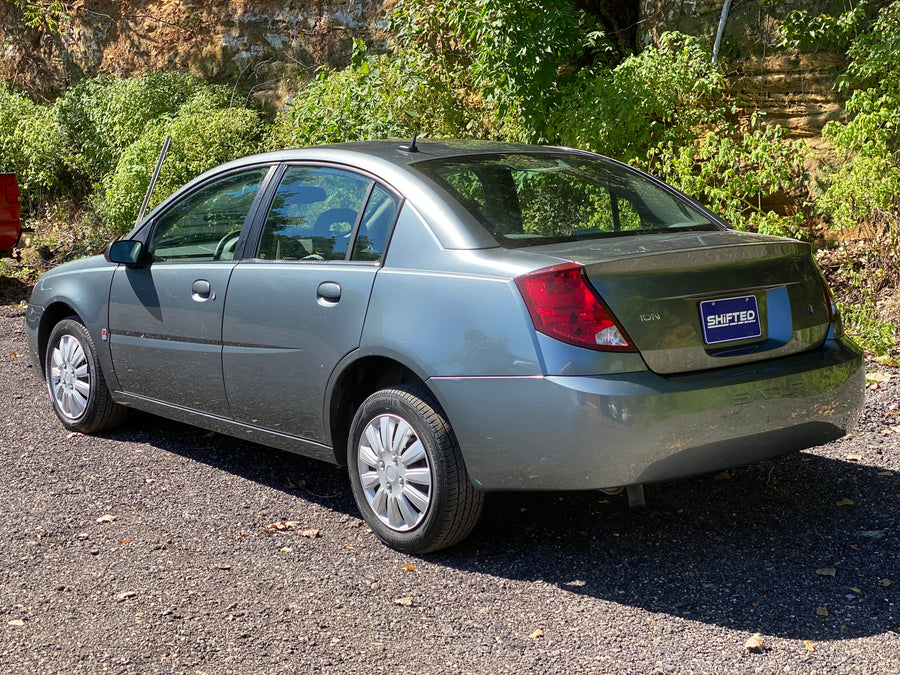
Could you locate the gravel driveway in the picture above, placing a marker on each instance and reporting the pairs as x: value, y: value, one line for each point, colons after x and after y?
x: 160, y: 548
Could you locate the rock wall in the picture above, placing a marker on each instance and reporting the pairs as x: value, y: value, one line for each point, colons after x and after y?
x: 260, y: 44
x: 796, y: 91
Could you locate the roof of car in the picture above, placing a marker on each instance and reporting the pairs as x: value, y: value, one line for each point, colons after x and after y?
x: 390, y: 161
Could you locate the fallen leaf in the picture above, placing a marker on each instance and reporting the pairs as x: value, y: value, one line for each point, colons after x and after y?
x: 821, y: 611
x: 809, y: 645
x: 125, y: 541
x: 350, y: 547
x: 884, y: 583
x: 121, y: 597
x: 722, y: 476
x: 879, y: 377
x: 887, y: 432
x: 854, y: 547
x: 755, y: 644
x: 16, y: 622
x: 286, y: 549
x: 404, y: 602
x: 827, y: 572
x: 845, y: 502
x: 537, y: 635
x: 853, y: 457
x: 855, y: 590
x: 309, y: 534
x: 409, y: 567
x: 223, y: 567
x: 106, y: 519
x: 292, y: 524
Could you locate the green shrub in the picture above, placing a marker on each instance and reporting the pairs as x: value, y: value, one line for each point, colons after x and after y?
x: 102, y: 116
x: 30, y: 146
x: 733, y: 171
x: 203, y: 137
x: 507, y: 52
x: 375, y: 97
x: 862, y: 198
x: 666, y: 110
x: 663, y: 95
x: 865, y: 182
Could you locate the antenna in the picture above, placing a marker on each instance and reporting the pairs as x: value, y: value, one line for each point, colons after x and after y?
x: 412, y: 147
x: 159, y: 162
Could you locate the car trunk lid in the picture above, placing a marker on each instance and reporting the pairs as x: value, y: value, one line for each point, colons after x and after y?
x: 697, y: 300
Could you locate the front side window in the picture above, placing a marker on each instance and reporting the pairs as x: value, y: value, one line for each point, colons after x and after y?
x: 313, y: 214
x: 206, y: 225
x: 533, y: 199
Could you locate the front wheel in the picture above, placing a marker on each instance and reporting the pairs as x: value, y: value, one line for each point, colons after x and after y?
x: 407, y: 472
x: 77, y: 387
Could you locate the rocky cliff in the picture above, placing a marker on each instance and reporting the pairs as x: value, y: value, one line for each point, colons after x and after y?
x: 263, y: 45
x: 267, y: 46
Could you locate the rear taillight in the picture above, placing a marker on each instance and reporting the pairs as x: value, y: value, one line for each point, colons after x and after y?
x: 564, y: 305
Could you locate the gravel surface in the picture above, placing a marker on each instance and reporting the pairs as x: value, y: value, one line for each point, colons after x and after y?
x: 160, y: 548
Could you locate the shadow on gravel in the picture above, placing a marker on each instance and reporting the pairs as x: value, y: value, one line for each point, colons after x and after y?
x: 752, y: 552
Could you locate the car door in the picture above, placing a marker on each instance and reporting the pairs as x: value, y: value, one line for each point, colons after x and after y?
x: 165, y: 317
x: 296, y: 305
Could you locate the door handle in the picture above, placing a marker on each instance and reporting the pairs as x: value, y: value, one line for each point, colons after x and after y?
x: 201, y: 291
x: 328, y: 293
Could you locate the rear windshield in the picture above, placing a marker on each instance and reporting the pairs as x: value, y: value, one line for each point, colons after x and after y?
x: 534, y: 199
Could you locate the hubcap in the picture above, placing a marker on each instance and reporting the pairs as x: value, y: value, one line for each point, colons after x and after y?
x: 395, y: 473
x: 70, y: 377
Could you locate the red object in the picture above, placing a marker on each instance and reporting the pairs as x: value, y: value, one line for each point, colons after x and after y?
x: 565, y: 306
x: 10, y: 211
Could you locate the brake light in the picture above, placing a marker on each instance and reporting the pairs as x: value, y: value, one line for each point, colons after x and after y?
x: 565, y: 306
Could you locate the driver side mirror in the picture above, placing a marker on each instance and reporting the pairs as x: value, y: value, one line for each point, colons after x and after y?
x: 127, y: 252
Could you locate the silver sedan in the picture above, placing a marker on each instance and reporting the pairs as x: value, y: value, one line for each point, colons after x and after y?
x: 452, y: 318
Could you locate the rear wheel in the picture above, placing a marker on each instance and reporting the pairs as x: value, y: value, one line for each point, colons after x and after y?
x: 76, y: 384
x: 407, y: 472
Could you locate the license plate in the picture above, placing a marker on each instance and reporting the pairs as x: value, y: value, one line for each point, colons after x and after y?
x: 730, y: 319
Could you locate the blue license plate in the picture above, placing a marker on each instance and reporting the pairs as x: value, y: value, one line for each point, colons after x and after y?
x: 730, y: 319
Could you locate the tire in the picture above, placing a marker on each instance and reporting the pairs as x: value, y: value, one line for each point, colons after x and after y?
x: 77, y: 388
x: 407, y: 472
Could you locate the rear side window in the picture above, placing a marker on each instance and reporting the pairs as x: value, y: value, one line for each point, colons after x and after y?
x: 375, y: 226
x: 313, y: 214
x: 533, y: 199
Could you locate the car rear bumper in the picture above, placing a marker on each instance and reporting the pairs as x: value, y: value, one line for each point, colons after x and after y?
x: 561, y: 433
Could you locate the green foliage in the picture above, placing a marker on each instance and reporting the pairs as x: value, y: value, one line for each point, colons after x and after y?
x: 733, y: 171
x: 807, y: 32
x: 508, y: 52
x: 100, y: 117
x: 29, y: 146
x: 666, y: 110
x: 375, y: 97
x: 661, y: 96
x: 203, y: 136
x: 42, y: 12
x: 864, y: 190
x: 99, y: 142
x: 862, y: 198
